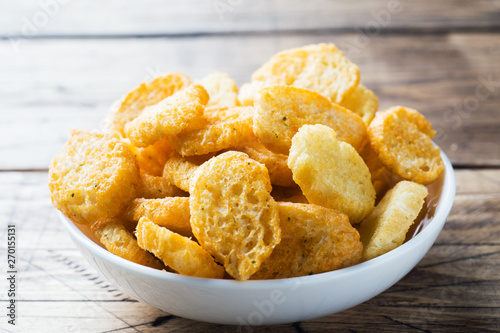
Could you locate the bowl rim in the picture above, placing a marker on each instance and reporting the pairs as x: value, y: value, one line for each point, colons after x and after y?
x: 441, y: 213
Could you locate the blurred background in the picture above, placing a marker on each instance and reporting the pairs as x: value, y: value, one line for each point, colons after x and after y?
x: 64, y: 62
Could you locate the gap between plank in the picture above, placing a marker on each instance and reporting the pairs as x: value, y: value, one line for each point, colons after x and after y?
x: 325, y: 31
x: 475, y: 167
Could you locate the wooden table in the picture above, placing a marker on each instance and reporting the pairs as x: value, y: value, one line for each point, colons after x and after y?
x: 63, y: 63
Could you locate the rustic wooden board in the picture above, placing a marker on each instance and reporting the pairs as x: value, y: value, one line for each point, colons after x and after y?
x: 435, y: 56
x: 455, y: 287
x: 113, y: 17
x: 55, y: 85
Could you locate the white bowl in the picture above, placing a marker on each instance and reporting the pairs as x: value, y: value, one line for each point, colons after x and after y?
x: 270, y: 301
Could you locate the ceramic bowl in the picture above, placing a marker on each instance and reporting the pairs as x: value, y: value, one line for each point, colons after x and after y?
x: 271, y: 301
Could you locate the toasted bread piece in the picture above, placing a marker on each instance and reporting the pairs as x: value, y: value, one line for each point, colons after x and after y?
x: 233, y: 215
x: 181, y: 112
x: 330, y: 172
x: 226, y: 127
x: 144, y: 95
x: 386, y: 226
x: 276, y: 164
x: 152, y: 158
x: 314, y: 240
x: 179, y: 171
x: 280, y: 111
x: 221, y: 88
x: 319, y: 67
x: 93, y: 178
x: 155, y: 187
x: 181, y: 254
x: 363, y: 102
x: 402, y: 139
x: 171, y: 213
x: 119, y: 241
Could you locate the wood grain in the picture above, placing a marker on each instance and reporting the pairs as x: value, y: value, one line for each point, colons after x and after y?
x: 114, y: 18
x: 63, y: 63
x: 455, y: 287
x: 72, y: 83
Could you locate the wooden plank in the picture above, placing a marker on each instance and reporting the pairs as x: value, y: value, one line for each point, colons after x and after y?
x: 98, y: 316
x: 137, y: 317
x: 25, y: 202
x: 65, y: 275
x: 412, y: 318
x: 475, y: 219
x: 67, y: 18
x: 477, y: 181
x: 456, y: 285
x: 465, y: 289
x: 72, y: 83
x: 425, y: 298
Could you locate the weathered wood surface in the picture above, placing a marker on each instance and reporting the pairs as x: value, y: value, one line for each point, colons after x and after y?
x: 455, y: 288
x: 62, y: 66
x: 50, y: 86
x: 32, y: 18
